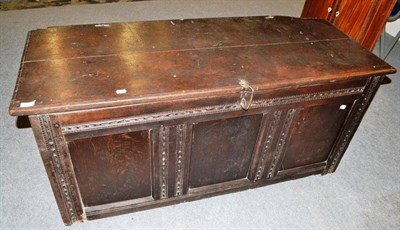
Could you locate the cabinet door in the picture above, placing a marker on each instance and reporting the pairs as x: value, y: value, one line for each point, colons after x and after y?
x: 318, y: 9
x: 361, y: 20
x: 353, y: 16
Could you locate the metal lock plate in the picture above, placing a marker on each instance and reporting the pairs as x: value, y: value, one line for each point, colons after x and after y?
x: 246, y: 94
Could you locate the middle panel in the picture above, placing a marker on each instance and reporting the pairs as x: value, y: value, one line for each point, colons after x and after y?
x: 222, y: 149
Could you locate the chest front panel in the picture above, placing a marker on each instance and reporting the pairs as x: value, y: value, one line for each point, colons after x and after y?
x: 139, y: 160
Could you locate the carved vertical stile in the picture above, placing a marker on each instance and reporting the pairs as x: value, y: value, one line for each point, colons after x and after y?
x: 258, y: 147
x: 154, y: 134
x: 179, y: 158
x: 281, y: 142
x: 267, y: 144
x: 186, y: 161
x: 163, y: 160
x: 58, y: 164
x: 348, y: 134
x: 172, y: 160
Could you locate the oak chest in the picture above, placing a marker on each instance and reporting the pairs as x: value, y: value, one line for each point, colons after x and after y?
x: 131, y: 116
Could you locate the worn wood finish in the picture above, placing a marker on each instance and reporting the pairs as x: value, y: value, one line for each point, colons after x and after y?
x: 131, y: 116
x: 313, y: 134
x: 116, y: 38
x: 228, y: 152
x: 351, y: 126
x: 192, y: 71
x: 361, y: 20
x: 124, y: 160
x: 56, y: 159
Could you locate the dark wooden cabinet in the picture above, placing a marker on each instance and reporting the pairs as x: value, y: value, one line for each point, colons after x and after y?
x: 132, y: 123
x: 361, y: 20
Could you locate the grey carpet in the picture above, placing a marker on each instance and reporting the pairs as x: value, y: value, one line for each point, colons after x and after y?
x: 363, y: 193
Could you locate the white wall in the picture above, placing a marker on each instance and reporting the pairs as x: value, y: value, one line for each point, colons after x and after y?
x: 393, y: 27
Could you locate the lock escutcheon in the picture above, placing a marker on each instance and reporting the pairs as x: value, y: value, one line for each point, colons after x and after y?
x: 246, y: 94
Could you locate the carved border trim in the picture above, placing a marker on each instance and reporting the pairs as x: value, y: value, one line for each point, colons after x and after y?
x: 282, y: 140
x: 208, y: 110
x: 357, y: 119
x: 307, y: 97
x: 62, y: 180
x: 179, y: 158
x: 164, y: 155
x: 270, y: 136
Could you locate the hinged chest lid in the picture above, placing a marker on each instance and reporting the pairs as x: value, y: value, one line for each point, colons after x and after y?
x: 93, y: 66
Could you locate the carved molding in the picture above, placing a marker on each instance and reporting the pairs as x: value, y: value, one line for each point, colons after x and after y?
x: 354, y: 123
x: 266, y: 147
x: 62, y: 179
x: 281, y: 142
x: 164, y: 155
x: 307, y: 97
x: 179, y: 158
x: 208, y: 110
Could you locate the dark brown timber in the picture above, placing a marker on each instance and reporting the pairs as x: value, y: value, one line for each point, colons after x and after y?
x: 132, y: 116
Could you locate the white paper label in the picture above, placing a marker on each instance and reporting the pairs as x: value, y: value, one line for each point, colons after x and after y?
x: 121, y: 91
x: 27, y: 104
x: 102, y: 25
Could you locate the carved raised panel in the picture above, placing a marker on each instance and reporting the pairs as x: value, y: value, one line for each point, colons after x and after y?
x: 222, y: 150
x: 112, y: 168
